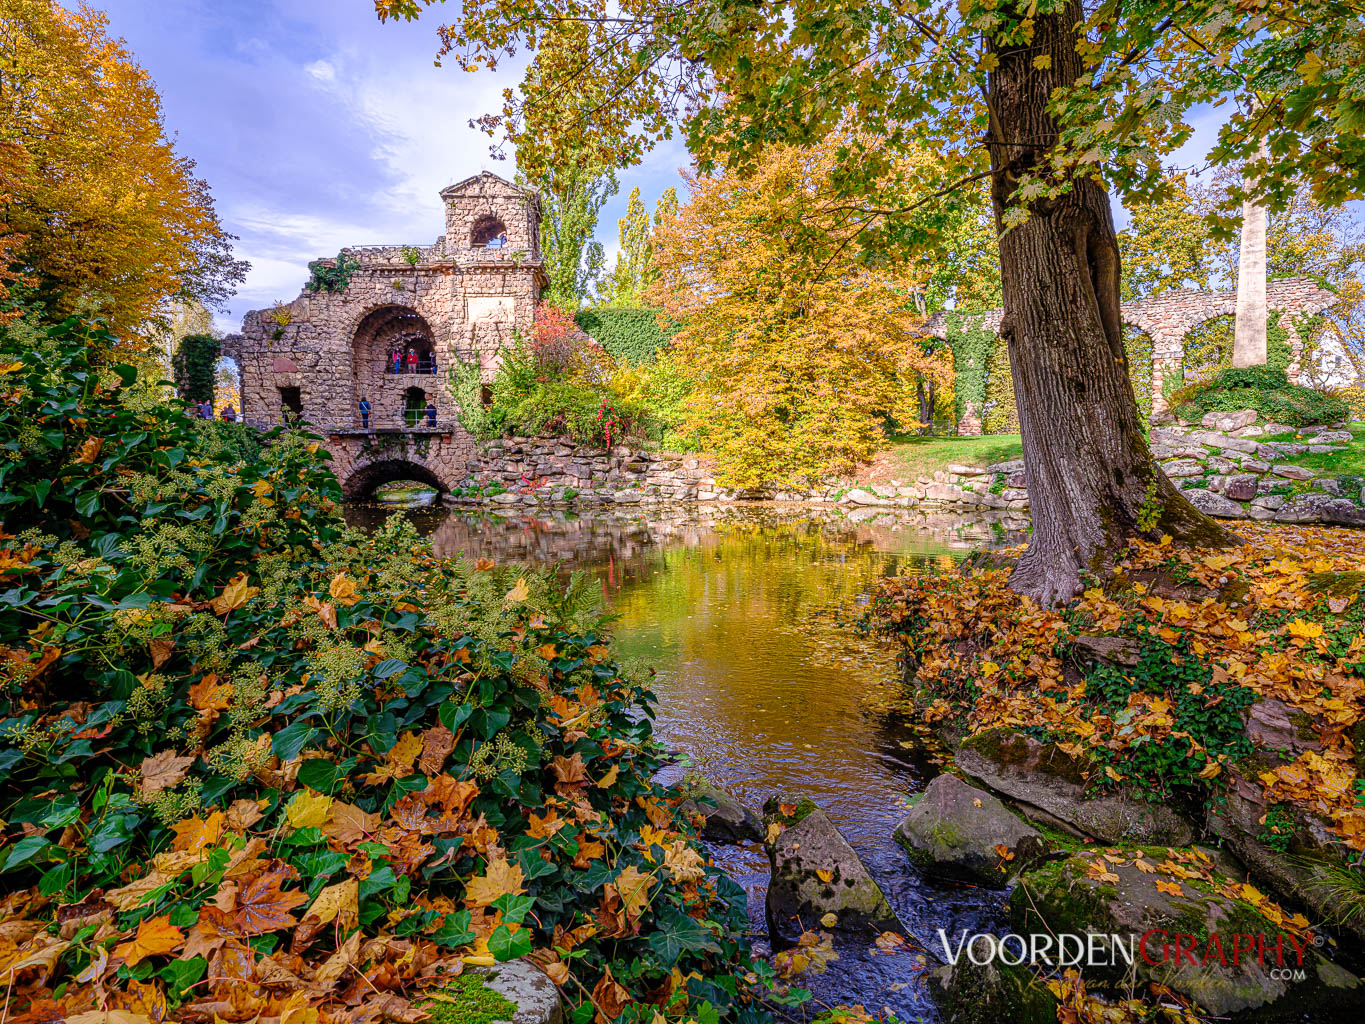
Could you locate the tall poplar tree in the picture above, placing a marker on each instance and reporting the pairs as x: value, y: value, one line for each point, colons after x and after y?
x: 1057, y: 103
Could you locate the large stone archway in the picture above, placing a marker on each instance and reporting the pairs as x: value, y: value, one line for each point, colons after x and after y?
x: 377, y: 334
x: 364, y: 461
x: 1167, y: 318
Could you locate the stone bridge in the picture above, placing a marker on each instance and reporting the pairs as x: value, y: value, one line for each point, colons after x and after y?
x: 1167, y: 318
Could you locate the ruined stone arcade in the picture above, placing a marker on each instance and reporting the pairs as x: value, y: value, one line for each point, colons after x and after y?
x: 1169, y: 317
x: 460, y: 298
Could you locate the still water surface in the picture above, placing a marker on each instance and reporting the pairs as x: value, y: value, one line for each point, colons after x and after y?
x: 745, y: 615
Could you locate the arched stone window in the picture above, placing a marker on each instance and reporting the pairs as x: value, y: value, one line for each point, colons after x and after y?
x: 489, y: 233
x: 391, y: 344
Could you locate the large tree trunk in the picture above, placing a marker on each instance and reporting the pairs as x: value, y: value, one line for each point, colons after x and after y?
x: 1092, y: 482
x: 1248, y: 340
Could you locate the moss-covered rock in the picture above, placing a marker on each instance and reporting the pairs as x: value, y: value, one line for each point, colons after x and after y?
x: 1222, y: 953
x: 510, y: 993
x: 726, y: 819
x: 968, y: 993
x: 815, y: 873
x: 1040, y: 777
x: 1311, y: 862
x: 957, y: 832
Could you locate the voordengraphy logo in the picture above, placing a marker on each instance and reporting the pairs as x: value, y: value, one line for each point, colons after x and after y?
x: 1157, y: 947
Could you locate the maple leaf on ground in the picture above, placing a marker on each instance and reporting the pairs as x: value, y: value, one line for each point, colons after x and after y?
x: 262, y: 906
x: 437, y: 743
x: 500, y: 879
x: 308, y: 810
x: 570, y: 773
x: 343, y: 590
x: 197, y: 833
x: 163, y: 771
x: 234, y: 595
x: 209, y: 694
x: 155, y: 936
x: 1170, y: 888
x: 398, y: 761
x: 349, y: 824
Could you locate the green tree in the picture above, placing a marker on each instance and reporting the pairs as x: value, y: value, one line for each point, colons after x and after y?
x: 571, y: 199
x: 635, y: 271
x: 1055, y: 102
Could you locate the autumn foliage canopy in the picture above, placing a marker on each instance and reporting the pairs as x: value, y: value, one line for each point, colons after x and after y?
x: 97, y: 211
x: 801, y: 355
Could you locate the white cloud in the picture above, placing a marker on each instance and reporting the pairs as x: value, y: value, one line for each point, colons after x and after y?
x: 322, y: 70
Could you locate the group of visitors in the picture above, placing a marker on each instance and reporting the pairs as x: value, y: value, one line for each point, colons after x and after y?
x: 410, y: 414
x: 411, y: 362
x: 204, y: 411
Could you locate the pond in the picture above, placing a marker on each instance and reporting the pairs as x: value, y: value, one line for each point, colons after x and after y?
x: 745, y: 614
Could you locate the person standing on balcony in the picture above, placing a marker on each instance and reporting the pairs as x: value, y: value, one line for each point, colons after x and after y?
x: 412, y: 360
x: 396, y: 358
x: 431, y: 413
x: 365, y: 414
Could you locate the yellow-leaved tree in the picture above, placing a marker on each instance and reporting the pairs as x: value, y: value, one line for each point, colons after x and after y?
x: 802, y: 357
x: 101, y: 214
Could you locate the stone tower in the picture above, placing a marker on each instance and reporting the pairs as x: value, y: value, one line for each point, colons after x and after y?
x: 460, y: 298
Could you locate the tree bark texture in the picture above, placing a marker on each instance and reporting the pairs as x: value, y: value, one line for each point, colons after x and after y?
x: 1092, y: 481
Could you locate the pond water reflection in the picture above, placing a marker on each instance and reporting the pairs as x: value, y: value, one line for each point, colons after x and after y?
x: 745, y: 615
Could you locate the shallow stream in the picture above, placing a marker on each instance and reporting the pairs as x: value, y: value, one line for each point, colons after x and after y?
x: 746, y: 615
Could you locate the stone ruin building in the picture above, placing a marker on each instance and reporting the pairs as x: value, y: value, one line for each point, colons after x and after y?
x: 460, y: 298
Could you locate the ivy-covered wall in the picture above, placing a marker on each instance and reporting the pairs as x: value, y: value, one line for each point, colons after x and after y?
x: 1002, y: 414
x: 971, y: 345
x: 629, y: 335
x: 194, y: 366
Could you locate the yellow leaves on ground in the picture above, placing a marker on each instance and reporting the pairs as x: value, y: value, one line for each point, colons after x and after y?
x: 1169, y: 888
x: 198, y: 834
x: 1262, y: 615
x: 500, y: 879
x: 339, y: 902
x: 234, y: 595
x: 307, y: 809
x: 518, y: 593
x: 155, y: 936
x: 399, y: 760
x: 633, y: 888
x: 343, y: 590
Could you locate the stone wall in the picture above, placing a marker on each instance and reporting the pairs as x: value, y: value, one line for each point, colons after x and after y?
x: 1167, y: 318
x: 1241, y: 472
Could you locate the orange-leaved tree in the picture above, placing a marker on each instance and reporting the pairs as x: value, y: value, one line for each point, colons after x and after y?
x: 102, y: 214
x: 801, y: 355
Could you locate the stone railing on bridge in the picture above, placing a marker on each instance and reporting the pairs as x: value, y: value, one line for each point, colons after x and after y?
x: 1168, y: 317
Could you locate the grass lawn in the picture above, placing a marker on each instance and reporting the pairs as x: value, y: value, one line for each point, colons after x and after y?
x: 1350, y: 461
x: 909, y: 457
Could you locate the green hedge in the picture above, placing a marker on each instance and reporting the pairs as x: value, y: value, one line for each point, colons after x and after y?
x: 1263, y: 388
x: 629, y: 335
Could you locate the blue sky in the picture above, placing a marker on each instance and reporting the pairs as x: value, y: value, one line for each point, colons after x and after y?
x: 317, y: 127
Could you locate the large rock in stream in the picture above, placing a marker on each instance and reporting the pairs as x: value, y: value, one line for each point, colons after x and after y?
x: 816, y: 873
x: 959, y: 833
x: 1187, y: 932
x: 1050, y: 785
x: 727, y: 820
